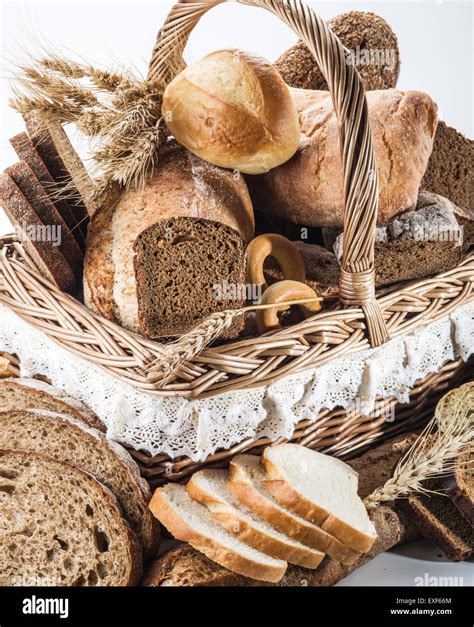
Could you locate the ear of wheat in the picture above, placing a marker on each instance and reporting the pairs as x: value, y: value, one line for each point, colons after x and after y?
x: 119, y: 112
x: 435, y: 451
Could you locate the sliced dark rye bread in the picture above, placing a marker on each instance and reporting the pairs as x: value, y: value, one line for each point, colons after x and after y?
x: 27, y: 152
x: 460, y: 485
x: 440, y: 522
x: 60, y: 526
x: 450, y: 170
x: 53, y: 156
x: 66, y: 439
x: 25, y: 393
x: 49, y: 259
x: 25, y: 179
x: 181, y: 265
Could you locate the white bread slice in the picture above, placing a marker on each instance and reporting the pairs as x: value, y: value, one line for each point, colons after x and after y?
x: 191, y: 522
x: 246, y: 483
x: 210, y: 488
x: 321, y: 489
x: 69, y: 440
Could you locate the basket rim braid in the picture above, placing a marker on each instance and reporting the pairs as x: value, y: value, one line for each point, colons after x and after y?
x: 360, y: 318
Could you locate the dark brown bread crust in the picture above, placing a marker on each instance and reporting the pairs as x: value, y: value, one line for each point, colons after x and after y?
x: 27, y: 152
x: 460, y: 485
x: 178, y: 264
x: 45, y: 146
x: 49, y: 258
x: 367, y: 31
x: 450, y: 170
x: 36, y: 195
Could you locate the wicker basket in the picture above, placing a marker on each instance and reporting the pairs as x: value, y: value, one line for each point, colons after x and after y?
x: 193, y: 367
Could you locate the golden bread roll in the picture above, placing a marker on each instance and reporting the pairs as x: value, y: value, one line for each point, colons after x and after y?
x: 233, y: 109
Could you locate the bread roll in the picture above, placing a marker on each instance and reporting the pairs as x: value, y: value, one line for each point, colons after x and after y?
x: 187, y: 230
x: 308, y: 189
x: 233, y: 109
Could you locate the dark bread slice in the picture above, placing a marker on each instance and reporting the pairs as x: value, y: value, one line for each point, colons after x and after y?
x: 23, y: 176
x: 460, y: 485
x: 61, y: 526
x: 66, y: 439
x: 52, y: 154
x: 450, y: 170
x: 439, y: 520
x: 27, y: 152
x: 24, y: 393
x: 49, y: 259
x: 178, y: 264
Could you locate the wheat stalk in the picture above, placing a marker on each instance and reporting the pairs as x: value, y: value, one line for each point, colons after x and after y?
x: 434, y: 452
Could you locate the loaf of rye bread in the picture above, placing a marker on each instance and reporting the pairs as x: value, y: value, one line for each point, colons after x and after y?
x: 27, y: 152
x: 450, y: 170
x: 416, y: 244
x: 48, y: 257
x: 360, y: 32
x: 25, y: 179
x: 155, y: 261
x: 308, y: 189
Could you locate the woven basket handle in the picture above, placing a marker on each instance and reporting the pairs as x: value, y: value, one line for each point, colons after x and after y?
x: 357, y: 282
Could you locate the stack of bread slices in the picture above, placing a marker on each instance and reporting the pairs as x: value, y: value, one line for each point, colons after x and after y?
x: 74, y: 509
x: 293, y: 505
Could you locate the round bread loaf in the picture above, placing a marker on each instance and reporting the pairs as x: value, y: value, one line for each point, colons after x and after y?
x: 233, y: 109
x: 370, y: 38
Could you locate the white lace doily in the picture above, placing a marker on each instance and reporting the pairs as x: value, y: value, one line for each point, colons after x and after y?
x: 197, y: 428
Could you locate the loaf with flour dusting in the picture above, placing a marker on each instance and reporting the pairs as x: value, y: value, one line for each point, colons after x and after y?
x: 154, y: 259
x: 308, y: 189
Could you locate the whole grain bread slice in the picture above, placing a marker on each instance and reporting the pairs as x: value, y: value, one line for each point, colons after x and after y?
x: 25, y: 393
x: 321, y: 489
x: 49, y: 258
x: 58, y: 154
x: 246, y: 483
x: 210, y: 488
x: 24, y: 177
x: 460, y: 485
x: 439, y: 520
x: 66, y: 439
x: 189, y: 521
x: 60, y: 526
x: 26, y: 151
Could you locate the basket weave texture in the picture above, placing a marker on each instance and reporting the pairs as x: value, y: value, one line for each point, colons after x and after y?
x: 360, y: 317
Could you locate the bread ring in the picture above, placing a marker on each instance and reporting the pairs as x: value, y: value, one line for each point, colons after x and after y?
x: 282, y: 250
x: 267, y: 319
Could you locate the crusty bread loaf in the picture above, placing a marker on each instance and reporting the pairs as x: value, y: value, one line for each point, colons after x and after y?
x: 246, y: 483
x: 24, y: 393
x: 191, y: 522
x: 182, y: 191
x: 48, y: 258
x: 60, y: 526
x: 66, y: 439
x: 27, y: 152
x: 233, y: 109
x: 460, y: 485
x: 210, y: 488
x: 26, y: 181
x: 364, y: 34
x: 308, y: 189
x: 321, y: 489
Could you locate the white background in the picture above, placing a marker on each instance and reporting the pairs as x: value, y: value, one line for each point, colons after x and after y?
x: 436, y: 46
